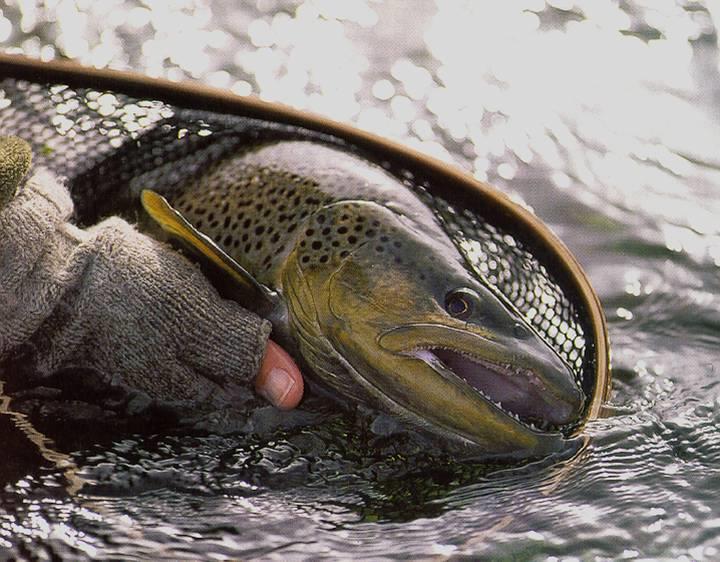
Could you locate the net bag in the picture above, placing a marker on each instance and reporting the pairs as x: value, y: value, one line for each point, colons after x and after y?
x: 98, y: 129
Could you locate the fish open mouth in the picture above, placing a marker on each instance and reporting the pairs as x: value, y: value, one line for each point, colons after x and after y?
x: 516, y: 391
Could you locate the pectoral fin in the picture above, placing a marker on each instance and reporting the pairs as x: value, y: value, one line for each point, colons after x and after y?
x: 173, y: 223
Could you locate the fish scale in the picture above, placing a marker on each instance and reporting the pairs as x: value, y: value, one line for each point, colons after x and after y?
x: 251, y: 212
x: 258, y: 214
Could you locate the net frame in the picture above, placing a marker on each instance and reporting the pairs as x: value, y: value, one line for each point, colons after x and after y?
x: 458, y: 188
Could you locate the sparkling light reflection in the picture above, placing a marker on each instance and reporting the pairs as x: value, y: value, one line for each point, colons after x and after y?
x: 596, y: 100
x: 503, y: 86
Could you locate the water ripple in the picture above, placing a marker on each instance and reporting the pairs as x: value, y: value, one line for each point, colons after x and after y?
x: 602, y: 117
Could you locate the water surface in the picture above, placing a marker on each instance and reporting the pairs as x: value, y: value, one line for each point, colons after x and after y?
x: 603, y: 117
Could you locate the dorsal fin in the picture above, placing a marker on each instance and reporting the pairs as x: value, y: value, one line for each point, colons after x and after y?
x: 259, y: 296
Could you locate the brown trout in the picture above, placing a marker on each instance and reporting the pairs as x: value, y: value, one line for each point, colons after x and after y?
x: 361, y: 281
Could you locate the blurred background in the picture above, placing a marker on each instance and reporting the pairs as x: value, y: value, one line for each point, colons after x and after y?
x: 603, y: 117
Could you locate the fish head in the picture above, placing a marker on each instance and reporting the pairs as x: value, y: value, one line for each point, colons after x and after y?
x: 432, y: 343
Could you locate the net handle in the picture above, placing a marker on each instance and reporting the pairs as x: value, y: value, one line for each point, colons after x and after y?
x: 199, y: 96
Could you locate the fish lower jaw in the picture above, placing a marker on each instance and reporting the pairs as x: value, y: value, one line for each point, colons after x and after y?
x: 437, y: 359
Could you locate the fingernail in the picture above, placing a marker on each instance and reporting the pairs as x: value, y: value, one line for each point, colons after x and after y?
x: 278, y: 384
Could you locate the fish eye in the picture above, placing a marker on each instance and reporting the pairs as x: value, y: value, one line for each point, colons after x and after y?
x: 520, y: 331
x: 459, y: 304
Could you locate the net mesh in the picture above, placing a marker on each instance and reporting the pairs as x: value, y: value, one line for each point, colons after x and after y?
x: 84, y: 135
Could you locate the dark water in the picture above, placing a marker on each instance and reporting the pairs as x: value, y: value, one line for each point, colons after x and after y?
x: 604, y: 117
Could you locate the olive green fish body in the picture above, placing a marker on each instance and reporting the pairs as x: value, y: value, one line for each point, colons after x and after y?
x: 376, y: 298
x: 296, y: 195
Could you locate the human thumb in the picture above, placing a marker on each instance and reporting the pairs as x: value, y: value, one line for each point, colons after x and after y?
x: 279, y: 379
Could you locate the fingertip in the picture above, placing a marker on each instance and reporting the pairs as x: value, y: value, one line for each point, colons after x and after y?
x: 279, y: 379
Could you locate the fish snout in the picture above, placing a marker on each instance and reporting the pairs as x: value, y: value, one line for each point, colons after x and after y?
x: 563, y: 399
x: 568, y: 407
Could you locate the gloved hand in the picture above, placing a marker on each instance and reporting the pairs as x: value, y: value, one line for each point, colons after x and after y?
x: 118, y: 303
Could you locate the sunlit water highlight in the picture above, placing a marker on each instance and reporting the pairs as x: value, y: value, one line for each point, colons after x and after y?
x: 601, y: 116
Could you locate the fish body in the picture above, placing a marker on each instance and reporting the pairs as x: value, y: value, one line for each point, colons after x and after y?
x: 369, y: 291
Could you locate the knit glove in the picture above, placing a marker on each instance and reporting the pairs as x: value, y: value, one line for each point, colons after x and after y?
x: 112, y: 301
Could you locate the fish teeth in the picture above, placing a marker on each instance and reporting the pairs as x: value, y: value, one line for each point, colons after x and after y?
x: 427, y: 355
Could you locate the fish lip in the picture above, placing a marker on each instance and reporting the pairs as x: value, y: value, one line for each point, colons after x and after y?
x: 394, y: 340
x: 445, y: 371
x: 546, y: 442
